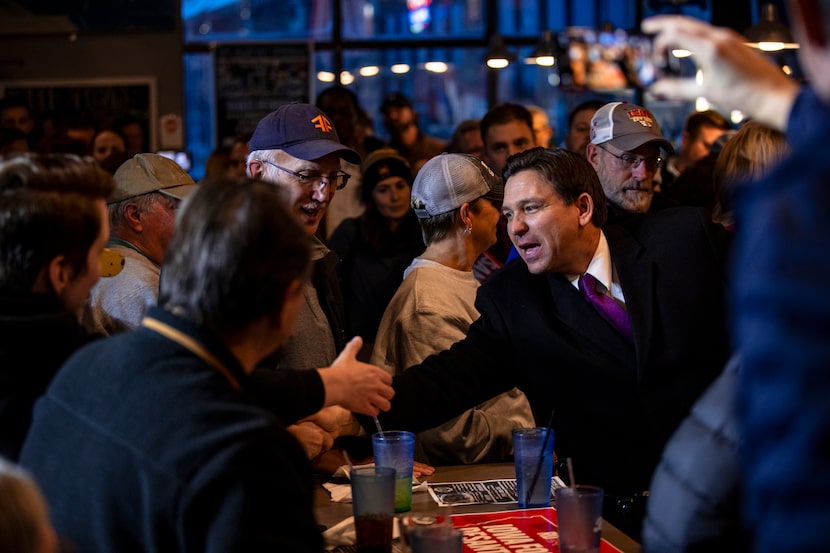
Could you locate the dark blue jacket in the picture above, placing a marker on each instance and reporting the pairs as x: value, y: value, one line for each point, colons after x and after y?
x: 140, y: 445
x: 781, y: 305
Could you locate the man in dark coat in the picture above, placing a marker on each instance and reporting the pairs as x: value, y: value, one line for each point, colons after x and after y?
x: 613, y: 400
x: 54, y: 225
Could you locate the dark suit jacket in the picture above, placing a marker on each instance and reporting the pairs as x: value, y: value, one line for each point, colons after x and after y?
x: 615, y: 404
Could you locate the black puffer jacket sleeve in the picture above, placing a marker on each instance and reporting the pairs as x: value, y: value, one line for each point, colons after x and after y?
x: 694, y: 504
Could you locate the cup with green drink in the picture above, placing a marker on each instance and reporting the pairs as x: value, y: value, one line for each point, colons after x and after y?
x: 396, y: 449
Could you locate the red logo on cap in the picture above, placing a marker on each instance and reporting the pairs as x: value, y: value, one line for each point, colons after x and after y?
x: 322, y: 122
x: 641, y: 116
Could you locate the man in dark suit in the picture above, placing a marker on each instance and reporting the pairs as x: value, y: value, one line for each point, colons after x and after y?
x: 613, y: 400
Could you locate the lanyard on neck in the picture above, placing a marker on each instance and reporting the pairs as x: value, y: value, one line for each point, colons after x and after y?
x: 114, y: 241
x: 194, y: 346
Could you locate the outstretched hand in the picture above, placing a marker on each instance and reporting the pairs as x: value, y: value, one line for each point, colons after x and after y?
x: 733, y: 75
x: 357, y: 386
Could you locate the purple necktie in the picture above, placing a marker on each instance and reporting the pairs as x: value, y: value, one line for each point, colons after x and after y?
x: 613, y: 312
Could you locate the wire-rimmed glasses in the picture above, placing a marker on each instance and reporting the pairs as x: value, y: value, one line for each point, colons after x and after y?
x: 338, y: 179
x: 630, y: 161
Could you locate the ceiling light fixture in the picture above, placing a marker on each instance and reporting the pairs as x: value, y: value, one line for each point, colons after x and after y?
x: 325, y: 76
x: 498, y: 57
x: 436, y: 66
x: 545, y: 51
x: 769, y: 34
x: 369, y: 70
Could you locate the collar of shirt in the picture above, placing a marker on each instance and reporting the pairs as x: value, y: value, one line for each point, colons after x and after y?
x: 602, y: 269
x: 318, y: 249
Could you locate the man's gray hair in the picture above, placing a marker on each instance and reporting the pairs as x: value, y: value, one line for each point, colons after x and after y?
x: 117, y: 211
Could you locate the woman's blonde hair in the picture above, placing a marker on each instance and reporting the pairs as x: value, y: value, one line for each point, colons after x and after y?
x: 749, y: 155
x: 24, y: 517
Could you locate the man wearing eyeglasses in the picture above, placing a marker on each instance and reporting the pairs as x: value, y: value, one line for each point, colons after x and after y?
x: 625, y: 151
x: 296, y: 147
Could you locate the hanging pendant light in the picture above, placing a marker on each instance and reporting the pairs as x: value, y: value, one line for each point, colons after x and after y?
x: 545, y: 51
x: 769, y: 34
x: 498, y: 56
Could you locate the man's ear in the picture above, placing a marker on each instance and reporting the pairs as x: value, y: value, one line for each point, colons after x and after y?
x: 59, y: 274
x: 255, y: 169
x: 585, y: 204
x: 132, y: 215
x: 592, y: 154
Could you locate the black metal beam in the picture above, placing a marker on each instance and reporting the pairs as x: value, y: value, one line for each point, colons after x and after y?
x: 490, y: 29
x: 337, y: 38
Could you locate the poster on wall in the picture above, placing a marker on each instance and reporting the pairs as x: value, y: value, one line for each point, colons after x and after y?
x: 85, y: 105
x: 253, y: 80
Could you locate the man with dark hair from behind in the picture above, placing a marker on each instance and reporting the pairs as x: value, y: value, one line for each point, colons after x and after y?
x: 170, y: 452
x: 53, y: 226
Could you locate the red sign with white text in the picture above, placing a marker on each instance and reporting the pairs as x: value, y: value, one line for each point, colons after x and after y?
x: 522, y: 531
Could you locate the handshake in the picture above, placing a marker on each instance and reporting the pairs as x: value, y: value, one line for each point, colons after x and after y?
x: 351, y: 387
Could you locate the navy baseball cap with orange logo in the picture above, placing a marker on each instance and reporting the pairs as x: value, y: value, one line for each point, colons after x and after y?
x: 301, y: 130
